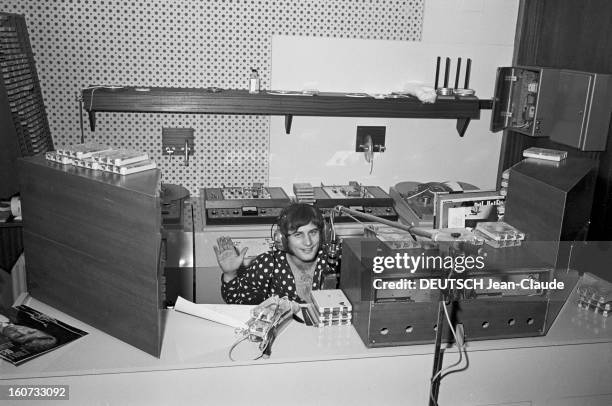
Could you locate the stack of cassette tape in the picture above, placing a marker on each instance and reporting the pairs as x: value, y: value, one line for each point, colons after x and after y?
x: 499, y: 234
x: 329, y: 307
x: 100, y: 157
x: 304, y: 192
x: 595, y: 299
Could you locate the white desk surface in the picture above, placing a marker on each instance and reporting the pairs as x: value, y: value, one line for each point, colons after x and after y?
x: 573, y: 359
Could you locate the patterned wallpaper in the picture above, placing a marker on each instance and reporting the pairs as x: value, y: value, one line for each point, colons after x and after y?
x: 186, y: 43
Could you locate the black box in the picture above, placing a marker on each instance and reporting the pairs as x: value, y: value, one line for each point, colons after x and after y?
x: 551, y: 201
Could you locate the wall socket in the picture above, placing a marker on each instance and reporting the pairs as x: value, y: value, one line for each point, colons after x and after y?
x: 178, y: 141
x: 175, y: 139
x: 377, y: 133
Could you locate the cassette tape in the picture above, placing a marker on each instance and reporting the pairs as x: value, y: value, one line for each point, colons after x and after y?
x: 81, y: 151
x: 86, y: 163
x: 55, y: 157
x: 133, y: 167
x: 499, y: 231
x: 330, y: 303
x: 312, y: 317
x: 120, y: 157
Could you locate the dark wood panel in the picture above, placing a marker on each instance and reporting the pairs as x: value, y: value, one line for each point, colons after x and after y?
x: 146, y: 183
x: 9, y: 149
x: 575, y: 35
x: 551, y: 202
x: 89, y: 289
x: 176, y: 100
x: 109, y: 222
x: 601, y: 219
x: 96, y: 206
x: 528, y: 26
x: 92, y: 246
x: 11, y: 244
x: 108, y: 241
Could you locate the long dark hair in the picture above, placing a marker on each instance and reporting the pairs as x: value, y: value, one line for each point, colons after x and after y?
x: 297, y: 215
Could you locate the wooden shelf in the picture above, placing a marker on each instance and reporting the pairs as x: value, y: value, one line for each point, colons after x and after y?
x: 207, y: 101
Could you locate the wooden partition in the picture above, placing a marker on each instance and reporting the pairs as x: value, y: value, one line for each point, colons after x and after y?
x: 567, y: 34
x: 92, y: 247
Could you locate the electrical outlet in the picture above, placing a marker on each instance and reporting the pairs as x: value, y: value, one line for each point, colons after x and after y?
x: 376, y: 133
x: 175, y: 140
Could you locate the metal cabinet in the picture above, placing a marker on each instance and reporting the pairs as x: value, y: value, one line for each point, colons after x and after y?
x: 570, y: 107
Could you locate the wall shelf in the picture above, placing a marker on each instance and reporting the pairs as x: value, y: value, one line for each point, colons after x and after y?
x: 219, y: 101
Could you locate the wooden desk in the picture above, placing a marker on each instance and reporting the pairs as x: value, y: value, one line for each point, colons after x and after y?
x: 330, y: 366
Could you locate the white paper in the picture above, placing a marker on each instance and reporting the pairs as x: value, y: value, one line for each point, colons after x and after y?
x: 228, y: 314
x: 456, y: 217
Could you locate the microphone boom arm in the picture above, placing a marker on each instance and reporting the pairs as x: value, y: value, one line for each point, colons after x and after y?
x: 443, y: 235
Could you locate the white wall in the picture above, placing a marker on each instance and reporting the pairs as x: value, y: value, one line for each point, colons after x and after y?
x: 322, y: 149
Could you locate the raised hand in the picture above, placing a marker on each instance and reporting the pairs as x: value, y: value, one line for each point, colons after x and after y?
x: 228, y: 257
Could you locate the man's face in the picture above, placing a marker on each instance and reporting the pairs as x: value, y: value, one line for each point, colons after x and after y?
x: 303, y: 243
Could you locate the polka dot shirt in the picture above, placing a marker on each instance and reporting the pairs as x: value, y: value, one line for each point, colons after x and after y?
x: 268, y: 274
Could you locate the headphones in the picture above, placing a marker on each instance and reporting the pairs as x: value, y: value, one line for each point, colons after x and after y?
x: 279, y: 237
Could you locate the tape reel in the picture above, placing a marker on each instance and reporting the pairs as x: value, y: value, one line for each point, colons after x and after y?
x: 368, y: 149
x: 279, y: 239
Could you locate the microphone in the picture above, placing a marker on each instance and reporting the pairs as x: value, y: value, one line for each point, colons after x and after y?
x: 333, y: 246
x: 333, y: 251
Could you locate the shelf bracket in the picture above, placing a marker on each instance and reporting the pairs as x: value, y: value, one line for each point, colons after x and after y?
x: 462, y: 125
x: 288, y: 120
x: 92, y: 120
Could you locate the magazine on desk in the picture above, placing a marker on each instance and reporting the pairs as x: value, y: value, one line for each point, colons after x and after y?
x: 29, y: 333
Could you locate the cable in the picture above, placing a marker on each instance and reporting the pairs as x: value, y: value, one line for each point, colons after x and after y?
x: 431, y: 396
x: 427, y: 189
x: 441, y: 373
x: 460, y: 346
x: 270, y: 335
x: 417, y: 194
x: 233, y: 346
x: 94, y: 88
x: 332, y: 216
x: 193, y: 253
x: 229, y: 353
x: 272, y: 233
